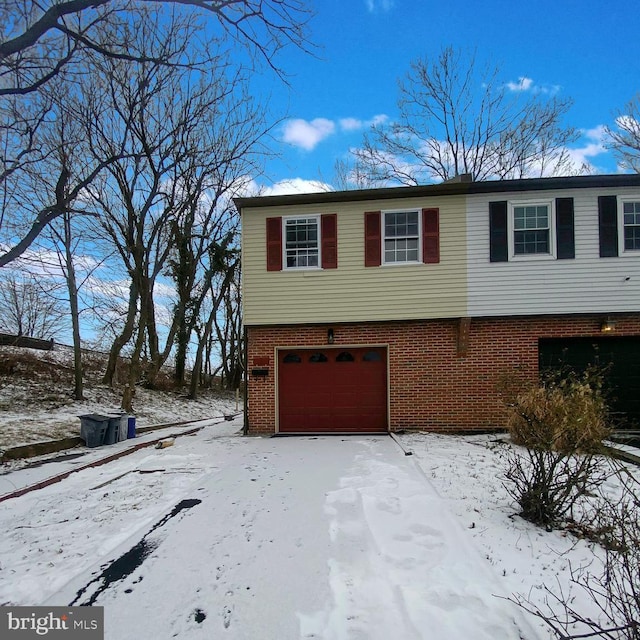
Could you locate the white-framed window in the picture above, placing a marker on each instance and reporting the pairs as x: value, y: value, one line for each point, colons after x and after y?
x: 401, y: 237
x: 531, y: 230
x: 302, y: 242
x: 630, y: 225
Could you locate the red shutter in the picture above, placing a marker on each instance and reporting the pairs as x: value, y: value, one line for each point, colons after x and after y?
x: 372, y: 240
x: 430, y: 236
x: 329, y: 235
x: 274, y: 244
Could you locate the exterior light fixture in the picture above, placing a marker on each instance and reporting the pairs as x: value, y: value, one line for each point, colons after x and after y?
x: 608, y: 326
x: 330, y: 337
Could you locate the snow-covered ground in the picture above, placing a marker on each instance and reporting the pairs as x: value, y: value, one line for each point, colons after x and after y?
x: 223, y: 536
x: 36, y: 402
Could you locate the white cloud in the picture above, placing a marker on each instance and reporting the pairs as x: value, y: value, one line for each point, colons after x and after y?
x: 523, y: 84
x: 381, y: 118
x: 307, y: 135
x: 627, y: 123
x: 355, y: 124
x: 295, y: 185
x: 351, y: 124
x: 527, y: 84
x: 374, y: 6
x: 594, y: 145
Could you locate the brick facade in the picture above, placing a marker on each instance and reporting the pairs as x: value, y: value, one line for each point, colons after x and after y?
x: 444, y: 375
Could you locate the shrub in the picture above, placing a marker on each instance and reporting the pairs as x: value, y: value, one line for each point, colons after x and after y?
x: 567, y: 413
x: 560, y: 425
x: 614, y: 592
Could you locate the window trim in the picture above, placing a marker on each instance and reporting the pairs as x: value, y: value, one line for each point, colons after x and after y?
x: 315, y: 217
x: 525, y: 257
x: 383, y: 261
x: 621, y: 248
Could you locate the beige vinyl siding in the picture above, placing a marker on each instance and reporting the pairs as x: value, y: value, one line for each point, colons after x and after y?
x: 353, y: 293
x: 584, y: 284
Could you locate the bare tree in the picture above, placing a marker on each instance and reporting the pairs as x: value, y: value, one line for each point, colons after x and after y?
x: 43, y: 38
x: 47, y: 47
x: 455, y: 117
x: 224, y: 260
x: 624, y: 140
x: 228, y: 326
x: 28, y: 309
x: 187, y: 140
x: 350, y: 173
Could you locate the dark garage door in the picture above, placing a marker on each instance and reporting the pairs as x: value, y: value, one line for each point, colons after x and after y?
x: 621, y: 355
x: 332, y: 390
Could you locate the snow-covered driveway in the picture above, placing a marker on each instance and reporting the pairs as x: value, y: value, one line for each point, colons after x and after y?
x: 253, y: 538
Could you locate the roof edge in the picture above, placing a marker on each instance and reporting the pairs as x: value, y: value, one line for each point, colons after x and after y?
x: 444, y: 189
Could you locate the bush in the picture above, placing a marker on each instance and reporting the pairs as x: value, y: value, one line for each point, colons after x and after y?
x: 614, y: 592
x: 560, y: 425
x: 567, y: 413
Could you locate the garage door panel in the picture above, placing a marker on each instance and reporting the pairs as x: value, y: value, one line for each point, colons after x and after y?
x: 332, y: 390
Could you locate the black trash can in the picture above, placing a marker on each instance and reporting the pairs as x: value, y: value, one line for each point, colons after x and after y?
x: 93, y: 429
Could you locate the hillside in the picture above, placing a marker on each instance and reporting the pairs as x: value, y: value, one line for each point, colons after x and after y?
x: 36, y: 397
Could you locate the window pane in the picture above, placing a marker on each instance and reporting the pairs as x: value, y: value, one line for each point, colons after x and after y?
x: 531, y: 217
x: 301, y: 236
x: 401, y: 224
x: 631, y: 221
x: 401, y: 229
x: 318, y: 357
x: 632, y: 238
x: 401, y: 250
x: 528, y: 242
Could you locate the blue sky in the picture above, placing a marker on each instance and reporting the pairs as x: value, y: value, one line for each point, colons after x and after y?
x: 588, y: 51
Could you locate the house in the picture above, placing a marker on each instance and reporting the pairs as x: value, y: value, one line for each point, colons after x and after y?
x: 410, y: 308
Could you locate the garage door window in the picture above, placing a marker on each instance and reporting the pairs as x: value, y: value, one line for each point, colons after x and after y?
x: 318, y: 357
x: 292, y: 358
x: 345, y: 356
x: 372, y: 356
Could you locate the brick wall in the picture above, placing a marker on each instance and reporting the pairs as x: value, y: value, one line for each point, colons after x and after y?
x: 439, y: 380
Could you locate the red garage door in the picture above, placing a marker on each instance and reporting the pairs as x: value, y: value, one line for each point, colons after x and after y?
x: 332, y: 390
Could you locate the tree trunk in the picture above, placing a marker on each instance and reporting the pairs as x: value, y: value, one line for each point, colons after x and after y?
x: 125, y: 334
x: 72, y: 287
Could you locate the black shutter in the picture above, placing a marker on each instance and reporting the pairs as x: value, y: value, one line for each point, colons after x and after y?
x: 498, y: 240
x: 608, y: 226
x: 565, y: 234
